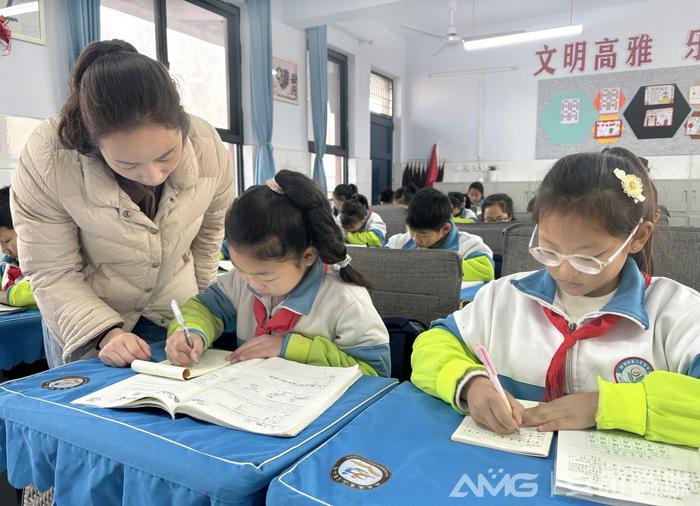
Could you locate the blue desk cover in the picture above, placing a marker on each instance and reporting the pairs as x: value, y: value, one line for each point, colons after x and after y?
x: 21, y: 339
x: 141, y: 456
x: 407, y: 433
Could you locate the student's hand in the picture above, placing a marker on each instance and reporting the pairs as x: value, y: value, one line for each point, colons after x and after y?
x: 264, y: 346
x: 487, y: 407
x: 121, y: 348
x: 3, y: 298
x: 571, y: 412
x: 179, y: 352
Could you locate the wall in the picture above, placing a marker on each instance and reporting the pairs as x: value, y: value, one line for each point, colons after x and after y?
x: 35, y: 77
x: 445, y: 110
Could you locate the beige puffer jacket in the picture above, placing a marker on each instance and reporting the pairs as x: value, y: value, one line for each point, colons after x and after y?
x: 94, y: 259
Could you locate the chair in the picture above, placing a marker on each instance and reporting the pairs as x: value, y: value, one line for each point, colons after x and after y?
x: 516, y: 257
x: 394, y: 217
x: 420, y: 285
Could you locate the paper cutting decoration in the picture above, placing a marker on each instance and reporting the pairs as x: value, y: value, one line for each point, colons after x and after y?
x: 658, y: 117
x: 570, y: 109
x: 659, y: 95
x: 692, y: 126
x: 694, y: 95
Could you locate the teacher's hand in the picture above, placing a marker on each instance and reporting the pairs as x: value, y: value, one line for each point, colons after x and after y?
x: 120, y: 348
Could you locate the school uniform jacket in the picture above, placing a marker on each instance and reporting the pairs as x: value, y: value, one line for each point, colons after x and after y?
x: 645, y: 367
x: 466, y: 216
x: 338, y: 326
x: 16, y: 284
x: 477, y: 257
x: 372, y: 232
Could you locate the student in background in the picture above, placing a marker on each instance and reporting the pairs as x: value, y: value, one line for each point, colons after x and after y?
x: 429, y: 220
x: 592, y: 336
x: 460, y: 214
x: 497, y: 207
x: 361, y: 225
x: 293, y: 293
x: 475, y: 193
x: 15, y: 289
x: 386, y: 196
x: 404, y: 195
x: 342, y: 193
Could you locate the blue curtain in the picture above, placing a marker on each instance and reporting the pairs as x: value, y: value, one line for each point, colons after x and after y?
x: 83, y: 26
x: 318, y: 75
x: 261, y: 87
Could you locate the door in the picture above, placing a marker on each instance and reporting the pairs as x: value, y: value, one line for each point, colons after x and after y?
x: 381, y: 148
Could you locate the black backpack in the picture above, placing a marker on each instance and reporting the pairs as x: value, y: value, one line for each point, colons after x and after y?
x: 402, y: 334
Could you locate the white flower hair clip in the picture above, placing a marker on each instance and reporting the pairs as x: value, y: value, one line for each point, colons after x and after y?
x: 631, y: 185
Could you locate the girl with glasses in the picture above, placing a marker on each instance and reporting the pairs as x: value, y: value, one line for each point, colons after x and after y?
x: 592, y: 336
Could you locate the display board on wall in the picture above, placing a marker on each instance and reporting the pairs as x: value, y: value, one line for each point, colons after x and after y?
x: 651, y: 112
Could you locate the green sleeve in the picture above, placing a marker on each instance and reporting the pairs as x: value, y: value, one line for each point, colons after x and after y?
x: 440, y: 361
x: 20, y: 295
x: 320, y: 351
x: 368, y: 238
x: 478, y: 268
x: 200, y: 320
x: 457, y: 219
x: 664, y: 406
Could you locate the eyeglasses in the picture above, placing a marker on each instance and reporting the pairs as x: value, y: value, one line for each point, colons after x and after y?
x: 582, y: 263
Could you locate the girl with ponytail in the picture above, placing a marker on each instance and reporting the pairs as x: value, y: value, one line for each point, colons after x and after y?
x: 293, y: 292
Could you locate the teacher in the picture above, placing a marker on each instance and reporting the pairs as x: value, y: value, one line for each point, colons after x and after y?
x: 119, y: 207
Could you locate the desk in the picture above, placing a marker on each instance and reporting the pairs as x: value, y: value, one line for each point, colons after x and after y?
x: 21, y: 339
x: 141, y: 456
x: 405, y: 437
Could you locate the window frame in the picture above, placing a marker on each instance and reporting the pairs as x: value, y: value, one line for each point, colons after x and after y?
x: 391, y: 80
x: 341, y: 149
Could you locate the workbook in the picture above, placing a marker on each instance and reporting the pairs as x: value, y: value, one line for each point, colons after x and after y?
x: 210, y: 361
x: 527, y: 441
x: 615, y: 467
x: 271, y: 396
x: 9, y: 309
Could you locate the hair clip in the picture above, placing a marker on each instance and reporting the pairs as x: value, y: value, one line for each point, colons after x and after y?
x: 345, y: 262
x: 631, y: 185
x: 273, y: 185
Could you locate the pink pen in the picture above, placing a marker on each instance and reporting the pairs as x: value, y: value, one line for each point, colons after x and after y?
x: 492, y: 374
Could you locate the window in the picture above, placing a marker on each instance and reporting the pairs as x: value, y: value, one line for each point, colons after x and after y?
x: 381, y: 94
x: 335, y: 160
x: 199, y: 41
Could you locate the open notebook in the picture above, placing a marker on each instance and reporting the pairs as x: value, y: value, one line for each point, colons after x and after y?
x: 621, y: 468
x: 9, y: 309
x: 210, y: 361
x: 272, y: 396
x: 527, y: 441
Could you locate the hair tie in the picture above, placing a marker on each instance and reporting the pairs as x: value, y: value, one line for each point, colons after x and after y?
x: 345, y: 262
x: 273, y: 185
x: 631, y: 185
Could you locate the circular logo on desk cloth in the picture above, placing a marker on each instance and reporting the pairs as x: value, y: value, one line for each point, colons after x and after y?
x: 632, y: 370
x: 359, y: 473
x: 65, y: 383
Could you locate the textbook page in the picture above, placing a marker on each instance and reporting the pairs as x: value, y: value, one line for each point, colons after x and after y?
x: 527, y: 441
x: 622, y: 468
x: 210, y: 361
x: 275, y: 397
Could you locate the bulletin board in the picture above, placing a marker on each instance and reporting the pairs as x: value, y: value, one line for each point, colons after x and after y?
x: 651, y: 112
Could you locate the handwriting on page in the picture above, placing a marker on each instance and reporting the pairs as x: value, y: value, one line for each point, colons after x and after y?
x: 524, y: 439
x: 625, y: 444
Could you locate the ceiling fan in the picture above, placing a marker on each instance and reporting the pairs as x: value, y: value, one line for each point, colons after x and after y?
x: 453, y: 38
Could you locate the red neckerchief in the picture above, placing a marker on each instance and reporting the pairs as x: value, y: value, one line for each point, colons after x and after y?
x: 554, y: 385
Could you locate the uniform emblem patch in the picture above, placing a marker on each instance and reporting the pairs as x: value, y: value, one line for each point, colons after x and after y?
x: 632, y: 370
x: 65, y: 383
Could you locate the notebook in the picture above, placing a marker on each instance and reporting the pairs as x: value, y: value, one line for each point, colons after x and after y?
x: 210, y: 361
x: 273, y: 396
x: 615, y: 467
x: 226, y: 265
x: 9, y: 309
x: 527, y: 441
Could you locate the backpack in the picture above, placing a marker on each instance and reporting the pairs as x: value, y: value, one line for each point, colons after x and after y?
x: 402, y: 334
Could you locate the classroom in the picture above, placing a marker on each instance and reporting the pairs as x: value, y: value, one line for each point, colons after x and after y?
x: 330, y: 252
